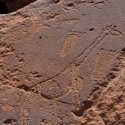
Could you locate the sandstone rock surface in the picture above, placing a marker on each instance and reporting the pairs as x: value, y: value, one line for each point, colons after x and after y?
x: 62, y: 62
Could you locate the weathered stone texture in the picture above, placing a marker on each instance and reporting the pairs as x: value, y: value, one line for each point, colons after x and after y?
x: 63, y: 63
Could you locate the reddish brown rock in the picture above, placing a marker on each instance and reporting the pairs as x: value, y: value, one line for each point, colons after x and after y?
x: 63, y: 63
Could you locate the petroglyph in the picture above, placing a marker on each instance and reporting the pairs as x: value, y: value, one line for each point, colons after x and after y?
x: 68, y: 45
x: 82, y: 56
x: 76, y: 86
x: 103, y: 62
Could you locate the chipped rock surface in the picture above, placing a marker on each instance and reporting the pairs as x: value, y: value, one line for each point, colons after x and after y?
x: 62, y: 62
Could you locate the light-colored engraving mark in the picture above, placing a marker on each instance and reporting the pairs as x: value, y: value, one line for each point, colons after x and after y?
x: 103, y: 62
x: 70, y: 21
x: 68, y: 45
x: 76, y: 86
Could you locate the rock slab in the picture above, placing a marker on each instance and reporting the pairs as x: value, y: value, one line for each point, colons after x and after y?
x: 63, y: 63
